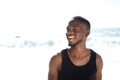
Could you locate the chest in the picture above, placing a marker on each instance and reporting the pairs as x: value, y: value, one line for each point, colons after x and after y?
x: 79, y: 61
x: 76, y: 68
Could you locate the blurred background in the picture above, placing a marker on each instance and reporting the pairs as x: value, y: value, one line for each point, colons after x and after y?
x: 32, y: 31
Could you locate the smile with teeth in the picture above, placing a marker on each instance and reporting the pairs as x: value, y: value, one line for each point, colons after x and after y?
x: 71, y: 36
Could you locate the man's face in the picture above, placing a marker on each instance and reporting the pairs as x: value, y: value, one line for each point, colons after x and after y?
x: 76, y: 32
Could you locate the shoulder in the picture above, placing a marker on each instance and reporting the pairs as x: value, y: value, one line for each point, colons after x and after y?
x: 56, y: 60
x: 54, y: 66
x: 98, y: 57
x: 99, y: 61
x: 56, y: 57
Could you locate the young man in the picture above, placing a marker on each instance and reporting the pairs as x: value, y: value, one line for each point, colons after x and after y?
x: 76, y: 62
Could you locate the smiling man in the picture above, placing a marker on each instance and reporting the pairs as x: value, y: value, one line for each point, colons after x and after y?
x: 76, y: 62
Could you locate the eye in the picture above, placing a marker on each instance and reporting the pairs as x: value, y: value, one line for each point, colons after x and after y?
x: 75, y: 30
x: 68, y: 29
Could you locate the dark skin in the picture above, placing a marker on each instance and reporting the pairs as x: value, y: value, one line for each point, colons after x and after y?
x: 77, y: 33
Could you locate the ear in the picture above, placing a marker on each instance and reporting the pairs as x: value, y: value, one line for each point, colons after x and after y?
x: 87, y: 33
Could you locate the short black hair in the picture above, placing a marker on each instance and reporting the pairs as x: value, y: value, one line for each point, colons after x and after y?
x: 79, y: 18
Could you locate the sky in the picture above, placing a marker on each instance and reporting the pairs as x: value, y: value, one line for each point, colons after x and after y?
x: 37, y: 19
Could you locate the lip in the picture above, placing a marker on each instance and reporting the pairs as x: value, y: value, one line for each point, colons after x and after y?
x: 70, y: 38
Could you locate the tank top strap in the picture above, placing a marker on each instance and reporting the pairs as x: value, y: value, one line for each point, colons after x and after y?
x: 93, y: 57
x: 64, y: 54
x: 93, y: 53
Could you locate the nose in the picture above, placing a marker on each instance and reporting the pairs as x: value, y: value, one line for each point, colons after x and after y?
x: 70, y: 32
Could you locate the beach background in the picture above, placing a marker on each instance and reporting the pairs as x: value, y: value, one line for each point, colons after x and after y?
x: 30, y: 61
x: 32, y: 31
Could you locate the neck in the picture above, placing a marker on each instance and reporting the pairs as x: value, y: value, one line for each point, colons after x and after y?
x: 80, y: 46
x: 79, y: 49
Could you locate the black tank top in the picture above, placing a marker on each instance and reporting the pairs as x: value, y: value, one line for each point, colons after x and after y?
x: 71, y: 72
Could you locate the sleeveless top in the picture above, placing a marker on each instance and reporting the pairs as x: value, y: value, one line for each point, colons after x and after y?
x: 69, y: 71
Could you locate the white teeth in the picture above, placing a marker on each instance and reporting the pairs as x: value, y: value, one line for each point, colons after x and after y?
x: 71, y: 36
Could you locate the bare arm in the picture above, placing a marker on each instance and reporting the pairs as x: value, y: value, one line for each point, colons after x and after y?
x: 54, y: 66
x: 99, y: 63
